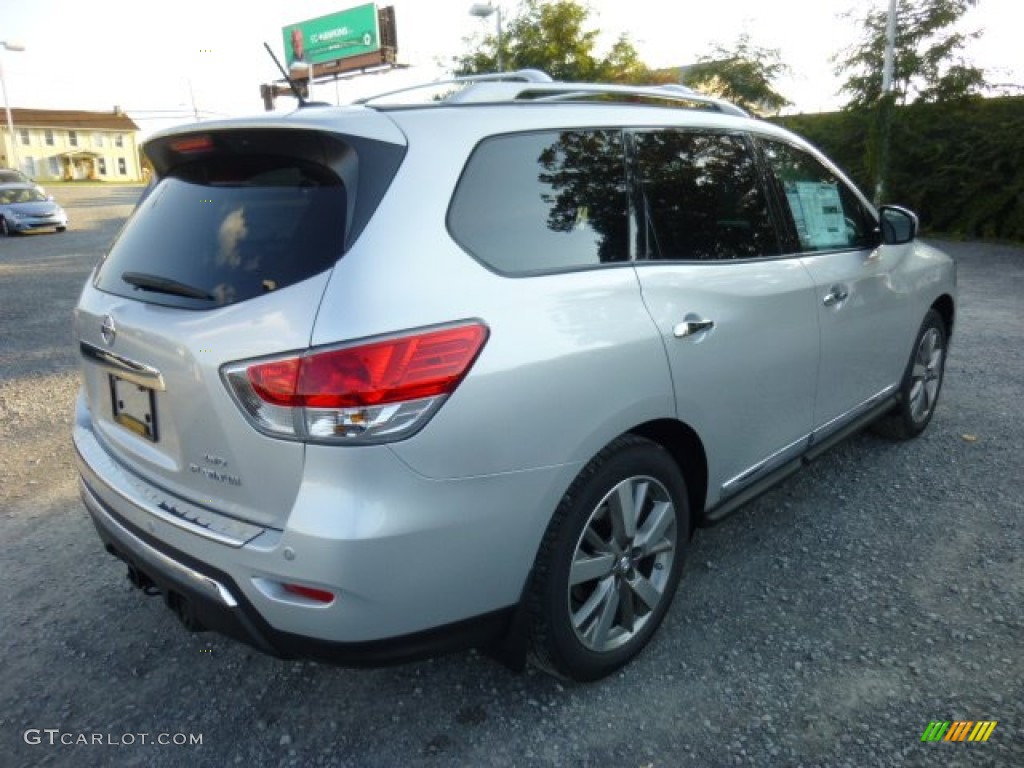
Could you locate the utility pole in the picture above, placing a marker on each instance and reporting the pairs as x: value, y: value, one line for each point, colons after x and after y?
x: 192, y: 98
x: 6, y: 45
x: 886, y: 106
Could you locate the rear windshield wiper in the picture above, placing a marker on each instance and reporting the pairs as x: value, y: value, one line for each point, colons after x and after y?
x: 158, y: 284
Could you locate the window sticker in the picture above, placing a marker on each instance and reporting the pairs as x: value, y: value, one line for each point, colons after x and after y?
x: 818, y: 213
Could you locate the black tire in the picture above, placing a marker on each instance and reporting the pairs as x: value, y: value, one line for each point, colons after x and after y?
x: 4, y: 229
x: 625, y: 582
x: 922, y: 382
x: 61, y: 229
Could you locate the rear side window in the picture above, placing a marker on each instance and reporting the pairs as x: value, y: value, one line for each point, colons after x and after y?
x: 825, y: 212
x: 702, y: 197
x: 226, y: 229
x: 544, y: 202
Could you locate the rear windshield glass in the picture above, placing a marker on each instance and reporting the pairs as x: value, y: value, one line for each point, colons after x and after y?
x: 227, y: 229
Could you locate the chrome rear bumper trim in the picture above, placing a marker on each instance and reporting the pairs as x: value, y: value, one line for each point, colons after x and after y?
x: 153, y: 557
x: 103, y: 473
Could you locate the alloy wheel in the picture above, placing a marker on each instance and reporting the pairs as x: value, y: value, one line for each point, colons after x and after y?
x: 926, y: 375
x: 622, y: 563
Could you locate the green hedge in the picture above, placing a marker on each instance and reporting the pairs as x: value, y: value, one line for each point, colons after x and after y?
x: 959, y: 165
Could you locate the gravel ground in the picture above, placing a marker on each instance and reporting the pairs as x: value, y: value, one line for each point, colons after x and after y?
x: 825, y: 624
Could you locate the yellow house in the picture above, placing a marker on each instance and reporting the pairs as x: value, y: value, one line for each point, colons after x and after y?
x: 70, y: 144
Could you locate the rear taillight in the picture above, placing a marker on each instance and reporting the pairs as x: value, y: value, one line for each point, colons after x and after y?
x: 371, y: 392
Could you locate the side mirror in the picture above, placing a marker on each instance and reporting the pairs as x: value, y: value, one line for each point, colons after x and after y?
x: 898, y: 225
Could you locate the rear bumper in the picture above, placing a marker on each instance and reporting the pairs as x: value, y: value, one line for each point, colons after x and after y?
x: 418, y: 566
x: 206, y: 599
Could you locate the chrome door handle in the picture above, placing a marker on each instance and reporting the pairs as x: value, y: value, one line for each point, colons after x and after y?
x: 836, y: 295
x: 692, y: 328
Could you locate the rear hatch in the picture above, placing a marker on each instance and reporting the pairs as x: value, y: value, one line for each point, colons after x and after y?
x: 225, y: 259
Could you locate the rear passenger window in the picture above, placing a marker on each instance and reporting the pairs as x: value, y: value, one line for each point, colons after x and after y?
x: 544, y: 202
x: 826, y: 213
x: 702, y: 198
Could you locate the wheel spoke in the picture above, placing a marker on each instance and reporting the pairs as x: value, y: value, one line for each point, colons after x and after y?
x: 627, y: 607
x: 592, y: 604
x: 652, y: 532
x: 929, y: 349
x: 640, y: 492
x: 918, y: 400
x: 926, y: 399
x: 593, y: 538
x: 622, y: 506
x: 647, y: 592
x: 609, y: 609
x: 927, y: 346
x: 586, y: 569
x: 662, y: 545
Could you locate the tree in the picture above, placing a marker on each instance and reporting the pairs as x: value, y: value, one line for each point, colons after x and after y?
x: 553, y: 37
x: 743, y: 74
x: 928, y: 64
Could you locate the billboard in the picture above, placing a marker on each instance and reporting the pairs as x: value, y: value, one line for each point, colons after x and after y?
x: 342, y: 35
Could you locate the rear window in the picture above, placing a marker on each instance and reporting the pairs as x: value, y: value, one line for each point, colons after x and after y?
x: 228, y: 228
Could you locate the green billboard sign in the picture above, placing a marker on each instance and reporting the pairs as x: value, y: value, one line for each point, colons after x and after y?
x: 336, y: 36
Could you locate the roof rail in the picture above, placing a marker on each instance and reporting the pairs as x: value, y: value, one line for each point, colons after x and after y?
x: 584, y: 91
x: 466, y: 81
x: 532, y: 85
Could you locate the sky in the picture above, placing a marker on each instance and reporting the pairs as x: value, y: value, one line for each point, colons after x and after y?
x: 206, y: 56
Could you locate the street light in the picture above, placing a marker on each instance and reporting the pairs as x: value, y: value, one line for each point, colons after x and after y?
x: 484, y: 11
x: 7, y: 46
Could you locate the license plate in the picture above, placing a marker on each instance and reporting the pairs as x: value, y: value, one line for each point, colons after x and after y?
x: 134, y: 407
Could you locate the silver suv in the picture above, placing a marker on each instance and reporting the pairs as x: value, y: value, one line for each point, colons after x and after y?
x: 371, y: 382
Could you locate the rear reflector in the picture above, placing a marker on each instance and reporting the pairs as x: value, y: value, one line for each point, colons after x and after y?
x: 319, y: 595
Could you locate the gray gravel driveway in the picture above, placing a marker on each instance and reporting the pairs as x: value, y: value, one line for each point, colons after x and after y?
x: 825, y: 624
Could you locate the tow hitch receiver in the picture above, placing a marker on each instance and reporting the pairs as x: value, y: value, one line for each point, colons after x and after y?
x: 139, y: 580
x: 180, y: 605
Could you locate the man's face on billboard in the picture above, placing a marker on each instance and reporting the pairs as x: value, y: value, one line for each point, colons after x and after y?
x: 297, y: 46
